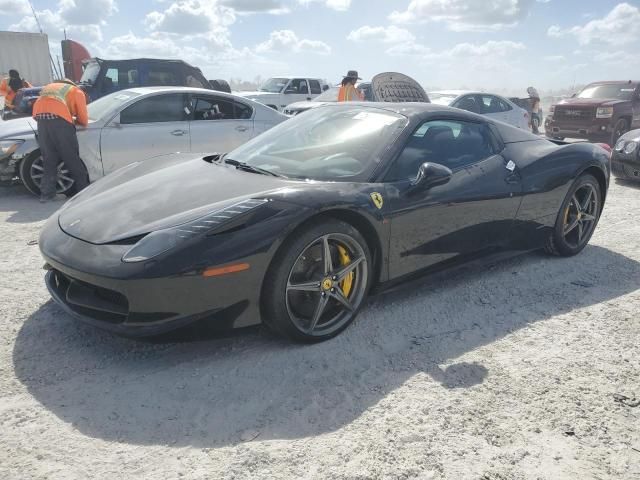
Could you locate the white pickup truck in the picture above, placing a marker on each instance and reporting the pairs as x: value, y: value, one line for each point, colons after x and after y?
x: 278, y: 92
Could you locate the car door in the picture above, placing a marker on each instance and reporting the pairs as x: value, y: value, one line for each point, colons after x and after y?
x: 154, y: 125
x: 471, y: 213
x: 219, y: 124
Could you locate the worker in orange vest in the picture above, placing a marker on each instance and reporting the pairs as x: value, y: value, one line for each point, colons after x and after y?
x: 10, y: 86
x: 348, y: 91
x: 60, y: 107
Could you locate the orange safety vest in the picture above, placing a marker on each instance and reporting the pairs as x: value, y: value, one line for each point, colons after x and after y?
x: 64, y: 100
x: 8, y: 93
x: 349, y: 93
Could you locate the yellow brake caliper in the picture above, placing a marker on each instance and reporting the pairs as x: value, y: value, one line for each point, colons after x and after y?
x: 347, y: 283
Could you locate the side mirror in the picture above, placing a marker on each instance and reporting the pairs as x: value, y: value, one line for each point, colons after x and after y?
x: 325, y: 88
x: 431, y: 175
x: 574, y: 95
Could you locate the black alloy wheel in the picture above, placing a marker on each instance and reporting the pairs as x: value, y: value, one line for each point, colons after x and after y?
x: 577, y: 218
x: 319, y: 282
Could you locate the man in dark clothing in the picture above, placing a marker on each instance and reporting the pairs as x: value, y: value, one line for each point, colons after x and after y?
x: 59, y: 103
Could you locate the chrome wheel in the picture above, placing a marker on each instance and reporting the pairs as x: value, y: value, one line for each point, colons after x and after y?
x: 327, y: 284
x: 63, y: 181
x: 581, y: 215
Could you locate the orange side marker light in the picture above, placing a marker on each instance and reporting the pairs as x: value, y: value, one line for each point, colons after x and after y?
x: 217, y: 271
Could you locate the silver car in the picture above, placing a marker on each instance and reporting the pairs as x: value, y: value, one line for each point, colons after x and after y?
x: 139, y: 123
x: 489, y: 104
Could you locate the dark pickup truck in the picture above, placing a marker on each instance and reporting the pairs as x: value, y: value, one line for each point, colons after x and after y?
x: 102, y: 77
x: 601, y: 112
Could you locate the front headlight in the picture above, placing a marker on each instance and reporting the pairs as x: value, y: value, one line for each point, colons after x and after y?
x: 552, y: 109
x: 620, y: 145
x: 604, y: 112
x: 7, y: 147
x: 630, y: 147
x: 162, y: 241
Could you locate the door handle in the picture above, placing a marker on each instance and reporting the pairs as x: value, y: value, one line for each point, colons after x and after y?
x: 178, y: 133
x: 240, y: 128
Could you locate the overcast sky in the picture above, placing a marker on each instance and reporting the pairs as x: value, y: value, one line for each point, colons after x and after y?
x: 490, y: 44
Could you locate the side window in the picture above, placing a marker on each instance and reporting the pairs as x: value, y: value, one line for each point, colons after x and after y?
x: 468, y: 103
x: 192, y: 81
x: 492, y: 104
x: 119, y: 79
x: 297, y: 85
x: 453, y: 144
x: 504, y: 105
x: 158, y: 108
x: 159, y: 76
x: 242, y: 111
x: 215, y: 108
x: 315, y: 87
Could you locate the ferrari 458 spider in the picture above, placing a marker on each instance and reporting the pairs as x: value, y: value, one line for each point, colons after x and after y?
x: 295, y: 227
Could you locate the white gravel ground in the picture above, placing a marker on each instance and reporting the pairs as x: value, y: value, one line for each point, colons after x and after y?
x: 500, y: 373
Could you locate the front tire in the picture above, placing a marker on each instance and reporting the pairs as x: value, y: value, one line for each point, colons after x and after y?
x: 31, y: 171
x: 620, y: 128
x: 577, y: 218
x: 317, y: 282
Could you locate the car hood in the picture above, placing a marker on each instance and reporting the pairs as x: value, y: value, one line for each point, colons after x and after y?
x: 592, y: 102
x: 156, y: 194
x: 17, y: 127
x: 633, y: 135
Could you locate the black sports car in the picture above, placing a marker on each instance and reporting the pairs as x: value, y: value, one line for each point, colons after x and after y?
x: 295, y: 227
x: 625, y: 162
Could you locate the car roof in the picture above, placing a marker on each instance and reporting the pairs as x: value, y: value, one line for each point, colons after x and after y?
x: 408, y: 109
x: 616, y: 82
x: 451, y: 92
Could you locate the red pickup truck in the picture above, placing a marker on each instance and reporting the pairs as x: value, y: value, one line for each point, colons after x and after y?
x: 601, y: 112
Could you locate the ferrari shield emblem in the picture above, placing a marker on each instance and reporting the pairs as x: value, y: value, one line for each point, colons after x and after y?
x: 377, y: 200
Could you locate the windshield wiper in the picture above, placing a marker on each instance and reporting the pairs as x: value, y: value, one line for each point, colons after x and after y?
x: 250, y: 168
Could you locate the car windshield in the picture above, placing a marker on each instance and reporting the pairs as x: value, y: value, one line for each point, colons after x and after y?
x: 330, y: 143
x: 274, y: 85
x: 608, y: 91
x: 110, y: 103
x: 90, y: 73
x: 330, y: 95
x: 442, y: 98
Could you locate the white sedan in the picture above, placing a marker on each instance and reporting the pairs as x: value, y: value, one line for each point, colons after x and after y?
x: 489, y: 104
x: 140, y: 123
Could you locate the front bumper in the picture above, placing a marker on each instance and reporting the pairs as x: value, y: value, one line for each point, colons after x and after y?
x: 625, y: 166
x: 8, y: 168
x: 91, y: 283
x: 598, y: 130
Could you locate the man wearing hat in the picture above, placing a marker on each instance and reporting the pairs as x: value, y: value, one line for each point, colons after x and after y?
x: 59, y: 108
x: 348, y: 91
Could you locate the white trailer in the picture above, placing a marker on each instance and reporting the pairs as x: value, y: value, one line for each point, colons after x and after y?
x: 28, y: 53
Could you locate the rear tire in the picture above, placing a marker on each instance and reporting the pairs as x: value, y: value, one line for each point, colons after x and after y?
x: 309, y: 300
x: 577, y: 218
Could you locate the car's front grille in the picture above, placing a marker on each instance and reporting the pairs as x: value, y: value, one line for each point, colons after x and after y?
x: 90, y: 300
x: 574, y: 113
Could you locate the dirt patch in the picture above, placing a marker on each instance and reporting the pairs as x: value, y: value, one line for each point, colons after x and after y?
x: 525, y: 370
